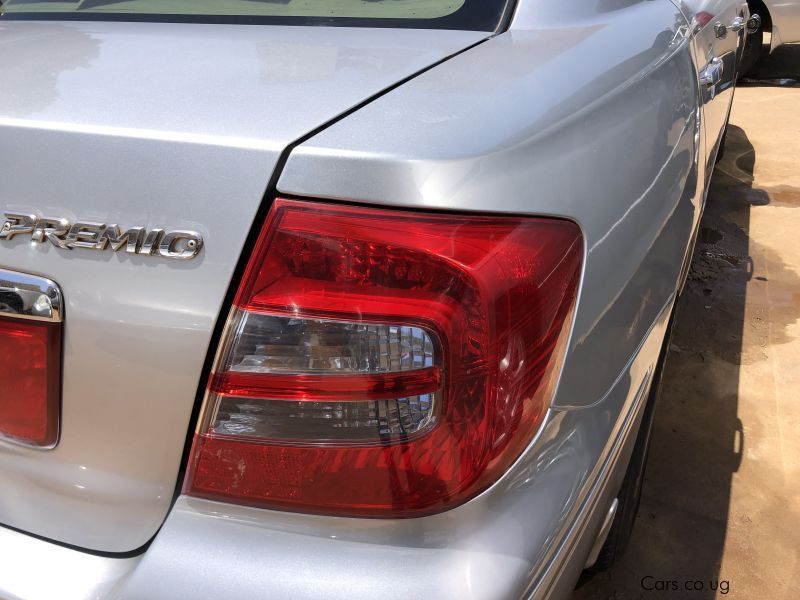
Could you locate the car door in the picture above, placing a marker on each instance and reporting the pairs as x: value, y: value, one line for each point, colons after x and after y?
x: 719, y: 29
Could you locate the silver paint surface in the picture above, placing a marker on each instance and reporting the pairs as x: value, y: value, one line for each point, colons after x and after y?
x: 153, y: 124
x: 588, y: 112
x: 573, y: 123
x: 493, y: 547
x: 33, y: 569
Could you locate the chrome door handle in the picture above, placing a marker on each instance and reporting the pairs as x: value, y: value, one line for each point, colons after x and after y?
x: 738, y: 24
x: 712, y: 74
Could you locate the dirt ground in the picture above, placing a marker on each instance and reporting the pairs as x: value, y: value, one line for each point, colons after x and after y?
x: 721, y: 501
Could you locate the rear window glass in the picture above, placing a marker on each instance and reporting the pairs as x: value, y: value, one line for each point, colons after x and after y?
x: 445, y: 14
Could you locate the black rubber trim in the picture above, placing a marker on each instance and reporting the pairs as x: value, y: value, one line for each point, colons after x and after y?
x: 100, y: 553
x: 508, y: 15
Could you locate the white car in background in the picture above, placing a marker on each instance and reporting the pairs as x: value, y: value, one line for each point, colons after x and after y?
x: 781, y: 19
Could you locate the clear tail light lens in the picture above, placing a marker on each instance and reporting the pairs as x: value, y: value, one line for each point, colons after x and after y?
x: 320, y: 380
x: 384, y: 363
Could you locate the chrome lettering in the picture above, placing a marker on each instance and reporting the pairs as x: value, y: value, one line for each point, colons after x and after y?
x: 150, y: 243
x: 52, y: 230
x: 84, y: 235
x: 17, y: 223
x: 131, y: 239
x: 181, y: 245
x: 177, y: 244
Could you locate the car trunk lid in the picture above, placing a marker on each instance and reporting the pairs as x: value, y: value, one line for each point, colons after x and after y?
x: 158, y: 126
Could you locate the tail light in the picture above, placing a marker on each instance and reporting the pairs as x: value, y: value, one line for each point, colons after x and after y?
x: 30, y: 359
x: 703, y: 18
x: 384, y: 363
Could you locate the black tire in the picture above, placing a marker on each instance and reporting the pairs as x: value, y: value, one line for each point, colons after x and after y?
x: 721, y: 149
x: 630, y: 494
x: 753, y: 49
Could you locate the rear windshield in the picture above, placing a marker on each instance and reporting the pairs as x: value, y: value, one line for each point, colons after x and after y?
x: 481, y: 15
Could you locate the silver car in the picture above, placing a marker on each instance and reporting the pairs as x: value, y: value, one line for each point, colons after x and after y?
x: 341, y: 299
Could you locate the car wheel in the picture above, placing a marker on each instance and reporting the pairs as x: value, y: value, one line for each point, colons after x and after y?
x: 630, y: 493
x: 721, y: 149
x: 753, y: 49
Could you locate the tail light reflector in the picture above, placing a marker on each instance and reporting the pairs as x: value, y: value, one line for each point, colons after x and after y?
x: 30, y: 359
x: 384, y: 363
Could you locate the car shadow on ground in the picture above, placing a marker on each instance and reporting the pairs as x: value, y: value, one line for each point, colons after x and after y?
x: 782, y: 67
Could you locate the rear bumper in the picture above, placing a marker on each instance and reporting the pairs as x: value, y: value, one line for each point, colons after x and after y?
x: 527, y: 536
x: 31, y: 568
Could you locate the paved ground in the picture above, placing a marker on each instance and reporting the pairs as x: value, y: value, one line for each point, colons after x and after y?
x: 721, y: 500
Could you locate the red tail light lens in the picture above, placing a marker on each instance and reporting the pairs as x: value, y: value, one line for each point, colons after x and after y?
x: 384, y: 363
x: 703, y: 18
x: 30, y: 359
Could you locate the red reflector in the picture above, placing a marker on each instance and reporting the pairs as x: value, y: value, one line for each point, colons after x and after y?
x: 30, y: 375
x: 339, y: 388
x: 384, y: 363
x: 703, y: 18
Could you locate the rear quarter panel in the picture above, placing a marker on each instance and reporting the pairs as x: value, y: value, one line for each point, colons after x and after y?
x: 582, y: 112
x: 589, y: 116
x: 585, y: 113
